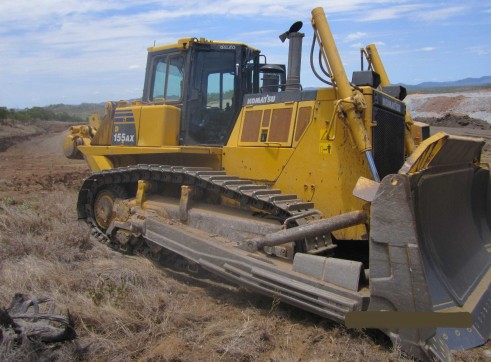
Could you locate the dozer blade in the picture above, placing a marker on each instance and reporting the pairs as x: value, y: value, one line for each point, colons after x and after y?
x: 430, y: 244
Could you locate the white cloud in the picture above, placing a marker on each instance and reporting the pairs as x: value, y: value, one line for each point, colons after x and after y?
x: 46, y: 11
x: 480, y: 50
x: 96, y: 43
x: 394, y: 12
x: 354, y: 36
x: 356, y: 45
x: 25, y: 14
x: 441, y: 14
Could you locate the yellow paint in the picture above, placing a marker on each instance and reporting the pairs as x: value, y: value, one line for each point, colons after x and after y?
x: 95, y: 120
x: 325, y: 177
x: 424, y: 154
x: 261, y: 161
x: 98, y: 163
x: 256, y: 163
x: 132, y: 150
x: 322, y: 166
x: 143, y: 187
x: 157, y: 131
x: 158, y: 125
x: 325, y: 141
x: 326, y: 148
x: 352, y: 101
x: 183, y: 44
x: 162, y: 47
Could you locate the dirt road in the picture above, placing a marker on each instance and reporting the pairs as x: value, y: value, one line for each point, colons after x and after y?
x: 38, y: 164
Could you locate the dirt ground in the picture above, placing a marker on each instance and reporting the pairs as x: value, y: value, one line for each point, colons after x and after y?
x: 35, y: 161
x: 128, y: 308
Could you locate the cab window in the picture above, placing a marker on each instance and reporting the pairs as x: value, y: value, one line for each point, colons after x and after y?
x: 220, y: 92
x: 168, y: 79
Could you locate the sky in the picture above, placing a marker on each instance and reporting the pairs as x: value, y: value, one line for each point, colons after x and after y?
x: 74, y: 51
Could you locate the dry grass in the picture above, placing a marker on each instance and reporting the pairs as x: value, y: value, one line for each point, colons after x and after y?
x: 128, y: 308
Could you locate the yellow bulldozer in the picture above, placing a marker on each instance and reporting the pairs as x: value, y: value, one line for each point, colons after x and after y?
x: 330, y: 199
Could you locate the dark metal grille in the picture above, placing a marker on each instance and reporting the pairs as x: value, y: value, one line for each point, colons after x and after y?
x: 388, y: 141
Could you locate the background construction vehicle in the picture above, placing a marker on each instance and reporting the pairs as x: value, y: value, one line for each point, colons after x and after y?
x: 318, y: 197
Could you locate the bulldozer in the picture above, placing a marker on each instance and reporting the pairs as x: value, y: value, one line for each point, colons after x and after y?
x: 330, y: 199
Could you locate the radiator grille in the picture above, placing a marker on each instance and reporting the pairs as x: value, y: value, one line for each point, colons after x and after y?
x: 388, y: 141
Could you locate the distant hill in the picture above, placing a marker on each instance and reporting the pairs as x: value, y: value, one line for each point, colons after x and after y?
x: 82, y: 110
x: 467, y: 82
x: 462, y: 83
x: 54, y: 112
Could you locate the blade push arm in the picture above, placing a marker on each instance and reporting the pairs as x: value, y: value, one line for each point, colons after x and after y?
x: 351, y: 100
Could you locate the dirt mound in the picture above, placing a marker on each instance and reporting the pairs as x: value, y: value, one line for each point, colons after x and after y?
x: 453, y: 120
x: 475, y: 104
x: 13, y: 132
x: 441, y: 104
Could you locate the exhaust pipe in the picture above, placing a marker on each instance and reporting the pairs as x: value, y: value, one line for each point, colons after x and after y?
x: 294, y: 56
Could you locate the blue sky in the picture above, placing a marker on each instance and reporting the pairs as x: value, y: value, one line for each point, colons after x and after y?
x: 73, y: 51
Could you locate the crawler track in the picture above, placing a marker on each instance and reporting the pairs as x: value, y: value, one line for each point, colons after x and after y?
x: 259, y: 197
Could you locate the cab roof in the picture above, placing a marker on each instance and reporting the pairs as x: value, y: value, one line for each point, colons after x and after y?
x: 184, y: 43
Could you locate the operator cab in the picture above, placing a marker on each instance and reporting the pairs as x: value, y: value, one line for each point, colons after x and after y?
x: 207, y: 81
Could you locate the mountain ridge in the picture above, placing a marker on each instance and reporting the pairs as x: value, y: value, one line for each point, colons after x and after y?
x: 466, y: 82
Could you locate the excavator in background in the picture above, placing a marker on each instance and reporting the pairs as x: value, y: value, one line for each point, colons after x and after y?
x: 330, y: 199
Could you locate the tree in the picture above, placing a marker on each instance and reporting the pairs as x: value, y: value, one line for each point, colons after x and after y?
x: 4, y: 113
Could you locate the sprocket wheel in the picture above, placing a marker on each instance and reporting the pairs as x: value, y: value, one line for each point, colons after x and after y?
x: 103, y: 205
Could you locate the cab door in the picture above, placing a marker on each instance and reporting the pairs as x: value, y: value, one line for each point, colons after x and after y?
x: 214, y: 96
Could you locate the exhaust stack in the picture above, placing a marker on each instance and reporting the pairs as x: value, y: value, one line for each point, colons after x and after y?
x: 294, y: 56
